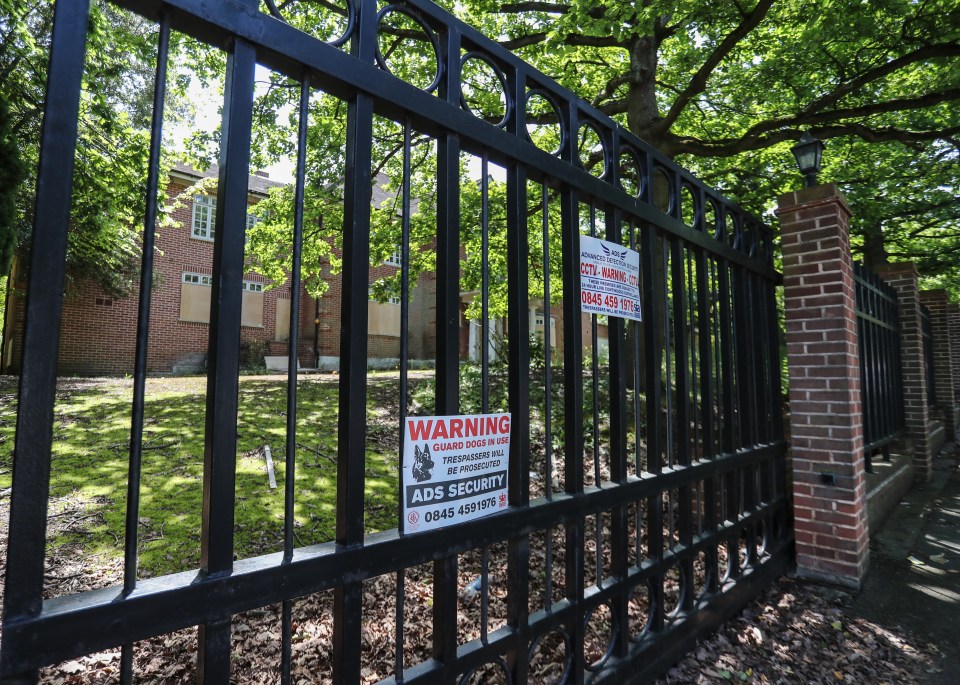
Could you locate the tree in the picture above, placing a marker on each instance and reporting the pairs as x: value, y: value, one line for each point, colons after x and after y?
x: 113, y: 138
x: 723, y: 87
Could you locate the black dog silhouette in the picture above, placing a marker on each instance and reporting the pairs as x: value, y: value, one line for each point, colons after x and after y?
x: 422, y: 463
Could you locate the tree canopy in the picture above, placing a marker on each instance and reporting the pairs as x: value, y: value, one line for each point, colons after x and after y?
x: 113, y: 135
x: 725, y: 88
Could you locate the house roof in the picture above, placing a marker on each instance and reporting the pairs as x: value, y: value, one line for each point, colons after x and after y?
x: 257, y: 183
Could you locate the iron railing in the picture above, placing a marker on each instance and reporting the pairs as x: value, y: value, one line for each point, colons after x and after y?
x: 881, y: 372
x: 671, y: 510
x: 926, y: 334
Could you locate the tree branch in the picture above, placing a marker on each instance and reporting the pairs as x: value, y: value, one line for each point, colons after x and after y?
x: 519, y: 7
x: 699, y: 81
x: 732, y: 146
x: 844, y: 89
x: 574, y: 39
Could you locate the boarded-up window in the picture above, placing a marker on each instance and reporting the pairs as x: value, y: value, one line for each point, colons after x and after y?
x: 252, y: 312
x: 283, y: 321
x: 383, y: 319
x: 195, y: 300
x: 195, y: 297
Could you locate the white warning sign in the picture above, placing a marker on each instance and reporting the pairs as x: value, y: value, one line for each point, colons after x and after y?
x: 454, y: 469
x: 609, y: 279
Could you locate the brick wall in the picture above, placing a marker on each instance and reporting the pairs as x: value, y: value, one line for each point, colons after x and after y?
x: 904, y: 279
x: 826, y: 423
x: 943, y: 361
x: 954, y: 327
x: 98, y: 331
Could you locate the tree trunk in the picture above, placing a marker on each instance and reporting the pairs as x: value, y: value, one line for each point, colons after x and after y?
x: 874, y: 252
x: 642, y: 111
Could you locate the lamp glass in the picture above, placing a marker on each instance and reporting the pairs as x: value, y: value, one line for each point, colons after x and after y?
x: 808, y: 152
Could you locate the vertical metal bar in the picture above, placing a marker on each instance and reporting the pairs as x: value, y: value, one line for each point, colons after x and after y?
x: 727, y: 415
x: 485, y: 354
x: 654, y: 298
x: 518, y: 352
x: 484, y: 286
x: 220, y: 443
x: 143, y: 333
x: 638, y: 328
x: 595, y: 390
x: 619, y: 542
x: 547, y: 351
x: 143, y: 312
x: 448, y: 333
x: 684, y: 398
x: 352, y: 424
x: 293, y: 362
x: 404, y: 381
x: 573, y: 390
x: 286, y: 657
x: 23, y: 596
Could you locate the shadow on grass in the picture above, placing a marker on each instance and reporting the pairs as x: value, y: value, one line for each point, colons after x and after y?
x: 88, y: 489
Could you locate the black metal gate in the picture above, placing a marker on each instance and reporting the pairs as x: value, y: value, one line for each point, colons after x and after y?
x: 671, y: 457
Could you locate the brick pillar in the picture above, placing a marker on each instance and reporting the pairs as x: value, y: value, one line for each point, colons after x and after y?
x: 826, y: 419
x: 953, y: 317
x: 903, y: 277
x: 943, y: 361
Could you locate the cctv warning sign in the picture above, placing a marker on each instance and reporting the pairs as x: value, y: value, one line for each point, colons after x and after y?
x: 609, y: 279
x: 454, y: 469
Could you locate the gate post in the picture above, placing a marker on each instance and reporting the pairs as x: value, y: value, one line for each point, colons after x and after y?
x: 904, y: 279
x: 953, y: 319
x: 826, y: 418
x: 943, y: 359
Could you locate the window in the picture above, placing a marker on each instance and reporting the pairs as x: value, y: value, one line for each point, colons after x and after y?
x: 252, y: 312
x: 197, y: 279
x: 383, y: 318
x: 396, y: 259
x: 195, y: 300
x: 205, y: 217
x: 195, y: 297
x: 389, y: 300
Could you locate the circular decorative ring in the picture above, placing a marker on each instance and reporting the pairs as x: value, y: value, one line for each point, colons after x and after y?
x: 498, y: 72
x: 633, y: 159
x: 568, y: 652
x: 543, y: 94
x: 431, y: 35
x: 465, y: 678
x: 581, y: 135
x: 614, y: 632
x: 275, y: 12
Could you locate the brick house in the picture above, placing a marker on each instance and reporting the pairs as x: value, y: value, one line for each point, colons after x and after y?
x: 98, y: 331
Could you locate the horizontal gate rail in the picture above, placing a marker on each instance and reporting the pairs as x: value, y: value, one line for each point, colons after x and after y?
x: 694, y: 443
x: 881, y: 371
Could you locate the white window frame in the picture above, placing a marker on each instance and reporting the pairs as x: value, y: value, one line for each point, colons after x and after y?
x: 204, y: 219
x: 197, y: 279
x: 253, y: 286
x: 396, y: 259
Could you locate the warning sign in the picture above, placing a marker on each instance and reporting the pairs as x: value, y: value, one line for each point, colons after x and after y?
x: 454, y: 469
x: 609, y: 279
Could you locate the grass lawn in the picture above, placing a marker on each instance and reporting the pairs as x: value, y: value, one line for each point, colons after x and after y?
x: 90, y: 463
